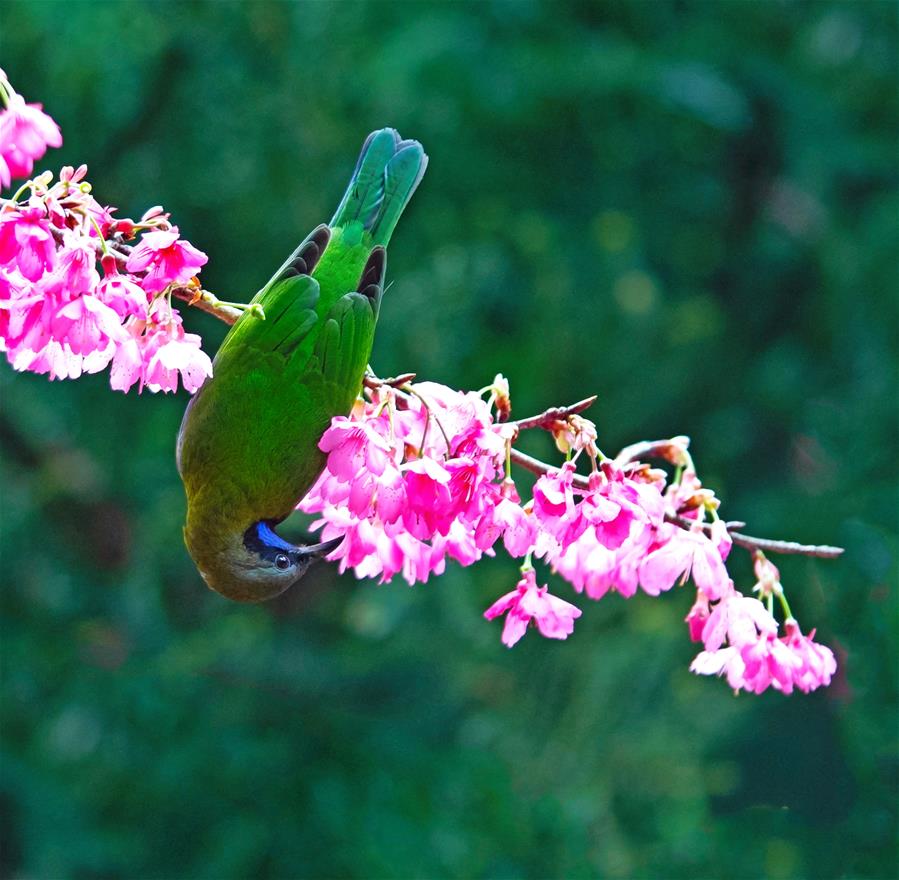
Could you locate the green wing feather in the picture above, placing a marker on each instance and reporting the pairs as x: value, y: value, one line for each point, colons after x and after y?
x: 254, y: 428
x: 345, y: 342
x: 234, y: 428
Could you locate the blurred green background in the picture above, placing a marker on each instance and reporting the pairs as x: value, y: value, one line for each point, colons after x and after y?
x: 688, y: 208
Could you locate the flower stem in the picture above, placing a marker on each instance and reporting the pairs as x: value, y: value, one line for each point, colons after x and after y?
x: 103, y: 248
x: 11, y: 203
x: 788, y: 615
x: 410, y: 389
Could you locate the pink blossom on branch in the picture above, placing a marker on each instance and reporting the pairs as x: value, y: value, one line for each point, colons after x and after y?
x: 816, y: 663
x: 554, y: 617
x: 27, y: 242
x: 154, y: 355
x: 754, y: 658
x: 165, y: 259
x: 679, y: 554
x: 408, y: 479
x: 25, y: 133
x: 58, y: 316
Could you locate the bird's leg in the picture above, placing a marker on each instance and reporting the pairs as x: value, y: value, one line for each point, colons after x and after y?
x: 370, y: 380
x: 229, y: 312
x: 255, y: 309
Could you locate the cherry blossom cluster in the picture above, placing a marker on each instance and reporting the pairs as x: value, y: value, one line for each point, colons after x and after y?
x: 421, y: 472
x: 740, y: 638
x: 413, y: 477
x: 74, y: 298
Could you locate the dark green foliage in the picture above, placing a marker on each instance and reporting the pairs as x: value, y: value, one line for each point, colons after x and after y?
x: 689, y: 208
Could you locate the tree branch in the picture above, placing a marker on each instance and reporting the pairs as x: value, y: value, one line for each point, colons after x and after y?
x: 554, y: 414
x: 823, y: 551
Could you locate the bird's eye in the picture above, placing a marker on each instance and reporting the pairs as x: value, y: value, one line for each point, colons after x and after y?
x: 282, y: 561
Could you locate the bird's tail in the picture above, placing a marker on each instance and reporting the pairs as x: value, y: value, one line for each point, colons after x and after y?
x: 387, y: 173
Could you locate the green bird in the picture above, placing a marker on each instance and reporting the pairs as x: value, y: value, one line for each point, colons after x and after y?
x: 248, y: 445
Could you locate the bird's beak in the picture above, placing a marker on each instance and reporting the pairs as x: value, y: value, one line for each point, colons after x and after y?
x: 318, y: 551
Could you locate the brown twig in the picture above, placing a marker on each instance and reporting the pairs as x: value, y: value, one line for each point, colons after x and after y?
x: 823, y: 551
x: 535, y: 466
x: 673, y: 450
x: 554, y: 414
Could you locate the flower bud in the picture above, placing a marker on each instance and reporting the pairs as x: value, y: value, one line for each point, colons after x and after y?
x: 575, y: 433
x: 768, y: 583
x: 501, y: 399
x: 123, y: 227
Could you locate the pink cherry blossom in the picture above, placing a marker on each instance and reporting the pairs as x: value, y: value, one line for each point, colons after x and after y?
x: 507, y: 518
x: 428, y: 498
x: 87, y: 325
x: 53, y: 359
x: 75, y: 272
x: 816, y: 663
x: 58, y: 317
x: 755, y: 667
x: 725, y: 661
x: 697, y: 616
x: 768, y: 662
x: 26, y: 241
x: 619, y: 507
x: 166, y: 259
x: 128, y: 361
x: 739, y: 620
x: 155, y: 355
x: 121, y: 293
x: 554, y: 617
x: 678, y: 554
x: 353, y: 445
x: 557, y: 510
x: 409, y: 478
x: 175, y: 352
x: 754, y: 658
x: 25, y: 133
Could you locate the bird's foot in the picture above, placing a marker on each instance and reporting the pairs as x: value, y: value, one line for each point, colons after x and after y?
x: 255, y: 309
x: 370, y: 380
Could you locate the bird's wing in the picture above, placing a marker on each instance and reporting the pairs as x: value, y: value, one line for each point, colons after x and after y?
x: 288, y: 302
x: 344, y: 344
x: 289, y: 307
x: 246, y: 370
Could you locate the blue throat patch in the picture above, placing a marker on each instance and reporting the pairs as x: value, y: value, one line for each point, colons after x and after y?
x: 261, y: 539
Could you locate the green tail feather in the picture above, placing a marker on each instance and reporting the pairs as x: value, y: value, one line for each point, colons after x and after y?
x: 387, y: 173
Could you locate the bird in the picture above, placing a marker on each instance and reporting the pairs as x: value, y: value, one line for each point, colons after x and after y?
x: 247, y: 450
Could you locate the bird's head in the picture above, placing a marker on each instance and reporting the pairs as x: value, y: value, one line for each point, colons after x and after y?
x: 261, y: 565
